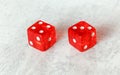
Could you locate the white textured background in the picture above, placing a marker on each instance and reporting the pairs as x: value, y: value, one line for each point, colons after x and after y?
x: 17, y: 58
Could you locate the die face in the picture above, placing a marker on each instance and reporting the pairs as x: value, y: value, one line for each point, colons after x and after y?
x: 49, y: 39
x: 42, y: 35
x: 35, y: 40
x: 82, y: 36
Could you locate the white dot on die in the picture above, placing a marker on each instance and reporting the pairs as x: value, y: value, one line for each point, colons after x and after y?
x: 48, y: 26
x: 38, y: 38
x: 74, y: 41
x: 89, y: 28
x: 40, y: 23
x: 49, y: 39
x: 82, y: 27
x: 93, y: 34
x: 85, y: 47
x: 74, y: 27
x: 31, y: 43
x: 33, y: 27
x: 41, y: 31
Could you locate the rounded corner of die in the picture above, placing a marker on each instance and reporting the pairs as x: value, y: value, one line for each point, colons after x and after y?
x: 39, y: 20
x: 82, y: 21
x: 71, y: 27
x: 28, y: 29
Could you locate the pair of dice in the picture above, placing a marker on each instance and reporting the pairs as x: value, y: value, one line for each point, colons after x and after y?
x: 42, y: 36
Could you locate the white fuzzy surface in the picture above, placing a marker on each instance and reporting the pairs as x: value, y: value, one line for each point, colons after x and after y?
x: 17, y: 58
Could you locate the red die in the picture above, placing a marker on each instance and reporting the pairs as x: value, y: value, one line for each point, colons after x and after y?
x: 82, y: 36
x: 41, y: 35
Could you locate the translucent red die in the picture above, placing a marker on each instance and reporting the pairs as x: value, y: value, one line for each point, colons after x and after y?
x: 82, y: 36
x: 41, y: 35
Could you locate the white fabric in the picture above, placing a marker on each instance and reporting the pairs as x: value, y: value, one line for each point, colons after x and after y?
x: 17, y: 58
